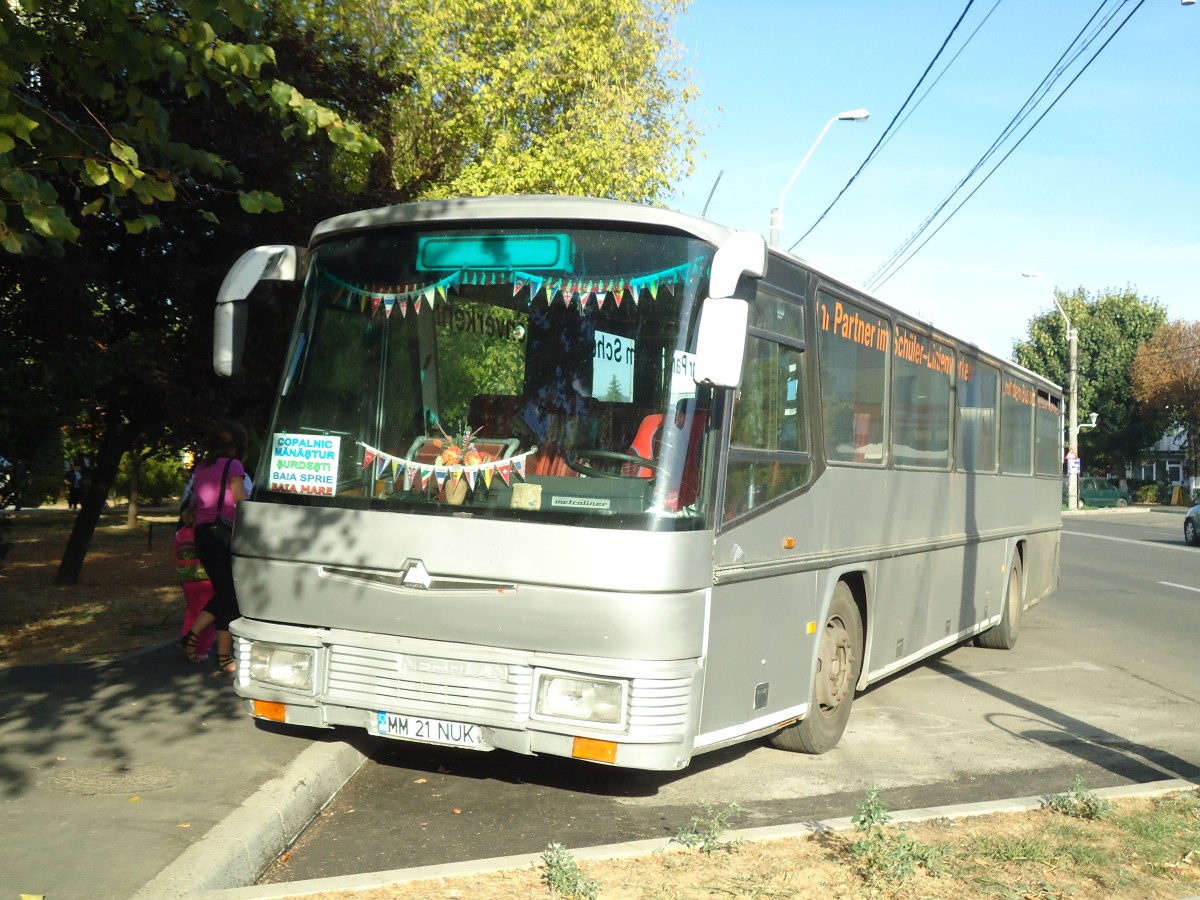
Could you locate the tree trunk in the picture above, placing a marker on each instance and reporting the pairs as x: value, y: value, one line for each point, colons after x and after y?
x: 135, y: 484
x: 116, y: 436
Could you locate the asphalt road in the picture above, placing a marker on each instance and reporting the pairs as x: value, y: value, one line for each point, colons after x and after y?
x: 1103, y: 683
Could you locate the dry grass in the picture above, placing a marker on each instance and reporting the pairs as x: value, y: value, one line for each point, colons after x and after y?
x: 1150, y: 848
x: 127, y: 596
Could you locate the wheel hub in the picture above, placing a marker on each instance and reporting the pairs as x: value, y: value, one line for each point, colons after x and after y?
x: 834, y: 665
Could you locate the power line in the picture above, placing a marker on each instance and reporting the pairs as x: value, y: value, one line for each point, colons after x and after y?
x: 877, y: 278
x: 879, y: 143
x: 941, y: 74
x: 1035, y: 97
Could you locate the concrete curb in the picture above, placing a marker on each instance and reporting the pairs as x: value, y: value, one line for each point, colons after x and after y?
x: 297, y: 889
x: 1132, y: 508
x: 240, y: 847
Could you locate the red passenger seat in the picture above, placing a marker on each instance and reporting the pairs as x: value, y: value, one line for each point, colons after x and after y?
x: 655, y: 443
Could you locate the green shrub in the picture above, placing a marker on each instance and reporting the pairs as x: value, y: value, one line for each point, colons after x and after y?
x: 563, y: 876
x: 161, y: 476
x: 884, y: 851
x: 1079, y: 802
x: 704, y: 834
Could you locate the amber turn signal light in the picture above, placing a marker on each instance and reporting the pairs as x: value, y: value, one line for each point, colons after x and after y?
x: 597, y: 751
x: 269, y: 709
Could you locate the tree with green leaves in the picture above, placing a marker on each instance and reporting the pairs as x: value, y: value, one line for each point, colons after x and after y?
x: 87, y: 90
x: 194, y: 113
x: 582, y: 97
x: 1166, y: 380
x: 114, y: 336
x: 1112, y: 326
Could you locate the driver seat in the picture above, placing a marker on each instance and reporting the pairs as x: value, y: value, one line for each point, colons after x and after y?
x: 646, y: 442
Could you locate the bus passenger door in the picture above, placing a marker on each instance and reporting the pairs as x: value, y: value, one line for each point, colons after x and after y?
x: 758, y: 662
x: 756, y: 669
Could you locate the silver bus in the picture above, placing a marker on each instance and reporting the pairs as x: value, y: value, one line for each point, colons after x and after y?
x: 578, y: 477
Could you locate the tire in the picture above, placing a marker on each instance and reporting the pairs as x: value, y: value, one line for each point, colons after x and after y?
x: 1122, y: 503
x: 1003, y: 635
x: 1190, y: 534
x: 839, y: 662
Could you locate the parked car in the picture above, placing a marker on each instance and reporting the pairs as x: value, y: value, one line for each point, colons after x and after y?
x: 1102, y: 492
x: 1191, y: 527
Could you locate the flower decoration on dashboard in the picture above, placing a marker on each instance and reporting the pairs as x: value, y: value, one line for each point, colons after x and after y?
x: 460, y: 450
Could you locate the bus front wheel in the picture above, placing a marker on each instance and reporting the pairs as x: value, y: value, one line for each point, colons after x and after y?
x: 839, y: 661
x: 1003, y: 635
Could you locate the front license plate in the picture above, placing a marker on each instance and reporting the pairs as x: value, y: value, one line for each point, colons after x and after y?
x: 432, y: 731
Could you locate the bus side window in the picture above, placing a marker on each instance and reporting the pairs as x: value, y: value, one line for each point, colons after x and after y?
x: 768, y: 442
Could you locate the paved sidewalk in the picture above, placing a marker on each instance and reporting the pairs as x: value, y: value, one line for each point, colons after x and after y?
x: 123, y: 780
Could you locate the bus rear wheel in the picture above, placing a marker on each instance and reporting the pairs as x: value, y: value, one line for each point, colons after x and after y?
x: 1003, y: 635
x: 839, y: 662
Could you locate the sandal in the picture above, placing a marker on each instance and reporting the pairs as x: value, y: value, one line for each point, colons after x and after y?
x: 189, y: 646
x: 226, y: 663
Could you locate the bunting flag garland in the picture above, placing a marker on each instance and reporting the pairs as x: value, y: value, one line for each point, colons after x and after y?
x: 419, y: 473
x: 368, y: 298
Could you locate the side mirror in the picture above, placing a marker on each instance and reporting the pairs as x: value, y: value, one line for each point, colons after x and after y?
x: 721, y: 336
x: 742, y: 253
x: 229, y: 338
x: 721, y: 341
x: 278, y: 262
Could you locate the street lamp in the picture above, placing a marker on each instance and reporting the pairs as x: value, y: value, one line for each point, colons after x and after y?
x: 852, y: 115
x: 1073, y: 398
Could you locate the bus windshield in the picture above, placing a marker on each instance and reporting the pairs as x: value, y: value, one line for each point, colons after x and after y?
x: 510, y: 372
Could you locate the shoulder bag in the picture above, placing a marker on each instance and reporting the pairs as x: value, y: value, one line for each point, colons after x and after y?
x: 222, y: 528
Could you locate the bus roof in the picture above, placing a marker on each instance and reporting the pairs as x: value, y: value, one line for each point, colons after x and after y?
x: 525, y: 207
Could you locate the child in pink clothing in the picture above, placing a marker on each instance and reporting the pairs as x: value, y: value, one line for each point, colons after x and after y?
x: 197, y: 589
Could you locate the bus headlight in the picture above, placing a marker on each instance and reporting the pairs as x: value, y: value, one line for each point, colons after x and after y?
x: 584, y: 699
x: 286, y: 667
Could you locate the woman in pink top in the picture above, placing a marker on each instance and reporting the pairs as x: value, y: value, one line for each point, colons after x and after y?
x: 222, y: 462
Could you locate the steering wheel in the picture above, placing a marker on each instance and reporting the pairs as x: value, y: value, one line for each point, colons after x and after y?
x: 577, y: 456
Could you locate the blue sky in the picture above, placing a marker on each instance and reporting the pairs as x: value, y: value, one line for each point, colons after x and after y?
x: 1103, y: 193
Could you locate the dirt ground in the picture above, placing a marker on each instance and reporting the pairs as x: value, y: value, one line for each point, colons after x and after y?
x: 1040, y: 855
x: 128, y: 598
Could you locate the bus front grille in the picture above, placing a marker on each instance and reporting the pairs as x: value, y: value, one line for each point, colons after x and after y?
x: 490, y: 693
x: 660, y: 706
x: 422, y: 685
